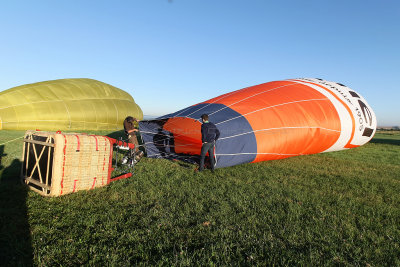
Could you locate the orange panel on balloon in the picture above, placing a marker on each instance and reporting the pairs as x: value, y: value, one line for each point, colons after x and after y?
x: 285, y: 113
x: 186, y: 133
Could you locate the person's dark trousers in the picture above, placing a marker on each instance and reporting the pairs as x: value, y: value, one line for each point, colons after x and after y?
x: 207, y: 147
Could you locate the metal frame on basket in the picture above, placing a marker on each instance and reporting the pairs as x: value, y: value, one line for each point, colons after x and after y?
x: 123, y: 145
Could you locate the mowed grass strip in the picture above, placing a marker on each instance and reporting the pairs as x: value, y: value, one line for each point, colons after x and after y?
x: 339, y: 208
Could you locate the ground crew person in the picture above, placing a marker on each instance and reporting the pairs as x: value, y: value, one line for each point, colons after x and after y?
x: 209, y: 135
x: 130, y: 126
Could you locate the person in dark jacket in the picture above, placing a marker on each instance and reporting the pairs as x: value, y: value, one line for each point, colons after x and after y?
x: 209, y: 135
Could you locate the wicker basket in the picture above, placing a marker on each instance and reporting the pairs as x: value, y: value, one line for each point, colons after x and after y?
x: 56, y: 164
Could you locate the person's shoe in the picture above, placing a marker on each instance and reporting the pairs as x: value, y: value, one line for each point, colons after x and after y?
x: 124, y: 160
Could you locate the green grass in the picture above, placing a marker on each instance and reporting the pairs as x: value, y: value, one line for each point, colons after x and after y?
x: 338, y: 208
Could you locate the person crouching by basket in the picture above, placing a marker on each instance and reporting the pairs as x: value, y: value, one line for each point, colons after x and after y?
x: 131, y: 126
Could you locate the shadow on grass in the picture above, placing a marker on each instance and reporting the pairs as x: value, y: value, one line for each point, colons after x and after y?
x: 386, y: 141
x: 1, y: 156
x: 15, y: 238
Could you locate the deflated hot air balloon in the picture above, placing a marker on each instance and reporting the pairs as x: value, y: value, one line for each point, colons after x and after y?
x: 66, y: 104
x: 269, y: 121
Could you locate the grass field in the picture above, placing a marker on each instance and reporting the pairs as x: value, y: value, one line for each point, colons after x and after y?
x: 338, y: 208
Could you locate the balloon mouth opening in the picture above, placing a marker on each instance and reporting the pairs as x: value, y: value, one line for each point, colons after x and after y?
x: 186, y: 133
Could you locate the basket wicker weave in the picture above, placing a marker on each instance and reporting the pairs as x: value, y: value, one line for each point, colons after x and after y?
x: 56, y: 164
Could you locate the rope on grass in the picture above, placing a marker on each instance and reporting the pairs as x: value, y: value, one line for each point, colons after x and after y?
x: 12, y: 140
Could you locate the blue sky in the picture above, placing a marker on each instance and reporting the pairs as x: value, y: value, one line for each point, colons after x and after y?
x: 172, y: 54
